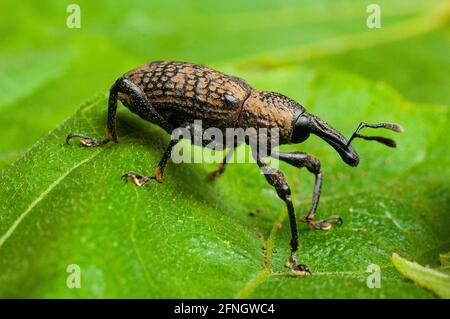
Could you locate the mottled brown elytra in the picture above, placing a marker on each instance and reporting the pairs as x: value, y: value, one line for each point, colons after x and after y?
x: 174, y: 94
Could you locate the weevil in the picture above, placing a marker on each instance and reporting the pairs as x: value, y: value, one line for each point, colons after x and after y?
x: 174, y: 94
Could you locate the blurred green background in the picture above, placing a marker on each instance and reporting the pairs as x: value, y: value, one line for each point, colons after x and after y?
x: 47, y: 69
x: 191, y: 238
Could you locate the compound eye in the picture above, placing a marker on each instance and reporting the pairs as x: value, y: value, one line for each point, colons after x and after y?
x: 301, y: 129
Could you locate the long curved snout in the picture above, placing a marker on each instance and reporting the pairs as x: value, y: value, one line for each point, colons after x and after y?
x: 347, y: 153
x: 335, y: 139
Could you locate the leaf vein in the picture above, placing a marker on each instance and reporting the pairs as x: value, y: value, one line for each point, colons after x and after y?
x: 41, y: 196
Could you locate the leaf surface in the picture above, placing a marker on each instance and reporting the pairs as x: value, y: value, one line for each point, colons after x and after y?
x: 188, y: 237
x: 434, y: 280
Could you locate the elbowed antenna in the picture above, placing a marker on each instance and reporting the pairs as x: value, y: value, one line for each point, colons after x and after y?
x: 384, y: 140
x: 324, y: 130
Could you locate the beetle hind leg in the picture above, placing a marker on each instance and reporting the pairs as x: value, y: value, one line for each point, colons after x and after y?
x: 87, y: 141
x: 110, y: 129
x: 138, y: 97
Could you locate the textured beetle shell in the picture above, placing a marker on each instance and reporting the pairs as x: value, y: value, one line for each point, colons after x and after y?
x: 182, y: 91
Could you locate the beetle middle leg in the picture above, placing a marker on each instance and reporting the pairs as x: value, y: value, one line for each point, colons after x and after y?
x: 141, y: 180
x: 302, y: 159
x: 277, y: 179
x: 138, y: 99
x: 222, y: 166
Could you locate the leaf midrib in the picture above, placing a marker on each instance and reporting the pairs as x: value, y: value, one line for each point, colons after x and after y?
x: 41, y: 196
x: 267, y: 272
x: 46, y: 191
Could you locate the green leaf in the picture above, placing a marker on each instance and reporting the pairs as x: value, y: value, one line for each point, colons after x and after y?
x: 431, y: 279
x: 21, y: 75
x: 188, y: 237
x: 445, y: 261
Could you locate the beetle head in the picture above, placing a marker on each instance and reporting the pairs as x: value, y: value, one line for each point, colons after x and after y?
x: 306, y: 123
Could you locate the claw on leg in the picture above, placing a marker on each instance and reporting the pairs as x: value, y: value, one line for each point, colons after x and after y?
x: 86, y: 141
x: 158, y: 175
x: 217, y: 173
x: 298, y: 269
x: 325, y: 224
x: 138, y: 179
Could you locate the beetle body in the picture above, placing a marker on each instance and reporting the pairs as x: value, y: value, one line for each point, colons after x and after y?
x: 175, y: 94
x: 182, y: 92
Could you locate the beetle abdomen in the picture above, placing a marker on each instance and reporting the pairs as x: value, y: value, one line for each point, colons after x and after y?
x: 193, y: 90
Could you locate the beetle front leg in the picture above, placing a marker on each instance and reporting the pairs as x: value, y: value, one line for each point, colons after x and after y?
x: 277, y: 179
x: 302, y: 159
